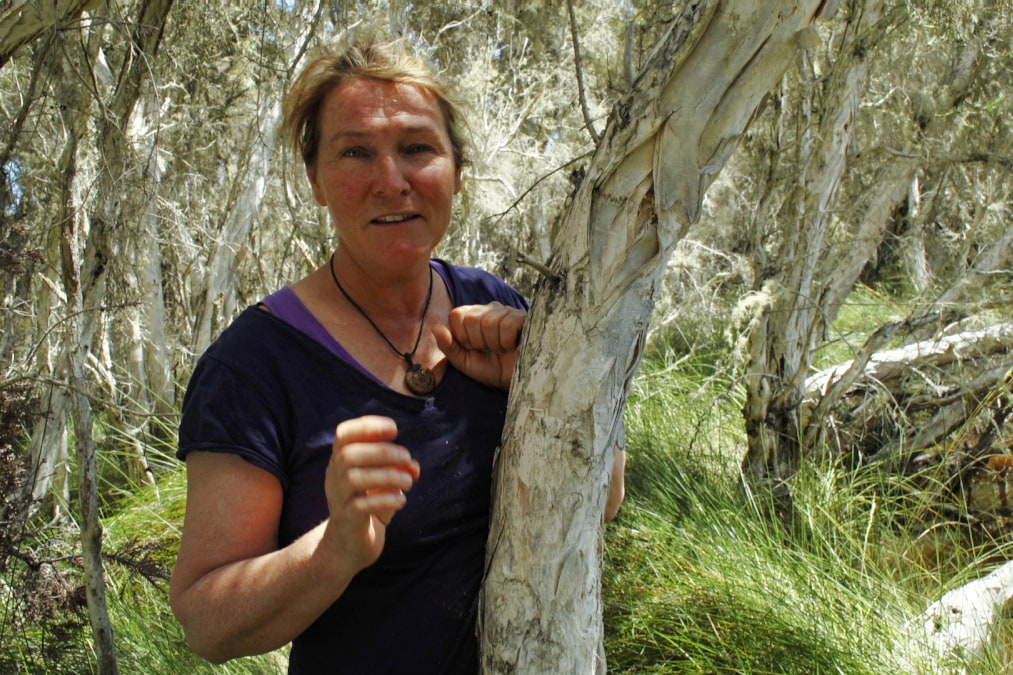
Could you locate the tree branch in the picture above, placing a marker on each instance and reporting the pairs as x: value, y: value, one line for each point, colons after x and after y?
x: 588, y: 122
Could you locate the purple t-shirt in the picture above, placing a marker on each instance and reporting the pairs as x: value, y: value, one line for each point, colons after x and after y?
x: 273, y: 394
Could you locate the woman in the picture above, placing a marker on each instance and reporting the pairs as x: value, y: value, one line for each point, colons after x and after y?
x: 339, y: 437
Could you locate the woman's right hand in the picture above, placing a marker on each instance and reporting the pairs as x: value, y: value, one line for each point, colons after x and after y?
x: 235, y: 592
x: 366, y: 480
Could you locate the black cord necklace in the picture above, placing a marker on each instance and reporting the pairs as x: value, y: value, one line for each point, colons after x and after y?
x: 420, y: 380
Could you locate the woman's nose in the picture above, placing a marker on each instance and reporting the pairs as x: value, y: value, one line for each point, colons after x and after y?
x: 389, y: 177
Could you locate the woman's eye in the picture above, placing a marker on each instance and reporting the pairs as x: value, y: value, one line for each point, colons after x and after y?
x: 416, y: 148
x: 353, y: 152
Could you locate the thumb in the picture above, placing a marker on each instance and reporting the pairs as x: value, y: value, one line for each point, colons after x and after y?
x: 450, y: 347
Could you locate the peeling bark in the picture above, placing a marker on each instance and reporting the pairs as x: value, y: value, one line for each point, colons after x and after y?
x: 664, y: 144
x: 790, y: 301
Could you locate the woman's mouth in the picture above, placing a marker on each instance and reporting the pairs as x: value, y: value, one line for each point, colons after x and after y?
x: 394, y: 220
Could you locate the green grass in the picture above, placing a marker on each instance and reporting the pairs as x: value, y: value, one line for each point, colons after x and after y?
x: 865, y: 307
x: 700, y: 575
x: 148, y: 637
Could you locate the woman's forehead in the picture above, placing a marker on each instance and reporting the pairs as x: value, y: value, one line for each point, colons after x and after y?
x: 366, y: 102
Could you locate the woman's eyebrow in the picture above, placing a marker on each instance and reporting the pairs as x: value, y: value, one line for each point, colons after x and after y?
x: 362, y: 133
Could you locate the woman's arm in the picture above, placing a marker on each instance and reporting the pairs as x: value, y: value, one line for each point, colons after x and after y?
x: 617, y: 486
x: 233, y: 590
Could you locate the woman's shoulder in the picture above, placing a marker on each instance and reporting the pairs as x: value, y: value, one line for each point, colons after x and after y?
x: 474, y: 286
x: 254, y: 336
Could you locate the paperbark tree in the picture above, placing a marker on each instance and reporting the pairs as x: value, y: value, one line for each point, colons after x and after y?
x: 217, y: 297
x: 664, y: 143
x: 791, y: 303
x: 803, y: 278
x: 22, y: 21
x: 87, y: 238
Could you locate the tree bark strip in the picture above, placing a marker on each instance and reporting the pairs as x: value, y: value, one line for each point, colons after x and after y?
x: 540, y: 606
x: 25, y: 20
x: 957, y: 627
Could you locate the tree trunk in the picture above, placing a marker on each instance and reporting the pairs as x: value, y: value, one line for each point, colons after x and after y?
x: 540, y: 606
x: 25, y: 20
x: 48, y: 449
x: 789, y: 313
x: 88, y: 500
x: 217, y: 296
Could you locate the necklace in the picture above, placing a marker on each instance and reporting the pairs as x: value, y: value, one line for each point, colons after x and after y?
x: 420, y: 380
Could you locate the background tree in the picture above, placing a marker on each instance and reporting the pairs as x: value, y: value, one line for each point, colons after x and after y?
x: 819, y: 231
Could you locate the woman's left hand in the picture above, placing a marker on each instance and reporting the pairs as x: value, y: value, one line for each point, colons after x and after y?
x: 482, y: 340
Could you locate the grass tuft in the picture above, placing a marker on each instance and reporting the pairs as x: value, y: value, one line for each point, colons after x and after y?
x: 701, y: 576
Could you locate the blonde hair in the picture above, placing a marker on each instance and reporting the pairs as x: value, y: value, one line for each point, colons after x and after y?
x: 387, y: 62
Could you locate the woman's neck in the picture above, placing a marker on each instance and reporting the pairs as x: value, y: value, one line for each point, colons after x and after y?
x: 381, y: 294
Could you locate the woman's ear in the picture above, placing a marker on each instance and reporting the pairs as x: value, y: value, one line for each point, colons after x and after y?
x: 318, y: 194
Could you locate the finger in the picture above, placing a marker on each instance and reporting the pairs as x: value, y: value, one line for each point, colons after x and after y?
x: 511, y: 323
x: 363, y: 458
x: 365, y: 429
x: 381, y: 503
x: 396, y: 478
x: 493, y: 327
x: 445, y: 341
x: 457, y: 354
x: 466, y: 325
x: 365, y: 441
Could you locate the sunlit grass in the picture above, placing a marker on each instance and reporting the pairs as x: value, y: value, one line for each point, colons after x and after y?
x: 856, y: 320
x: 148, y: 637
x: 702, y: 576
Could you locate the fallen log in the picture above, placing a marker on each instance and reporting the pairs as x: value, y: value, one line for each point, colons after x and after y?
x: 890, y: 364
x: 913, y: 397
x: 957, y: 627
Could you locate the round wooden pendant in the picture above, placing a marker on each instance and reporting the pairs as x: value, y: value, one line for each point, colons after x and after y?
x: 420, y: 380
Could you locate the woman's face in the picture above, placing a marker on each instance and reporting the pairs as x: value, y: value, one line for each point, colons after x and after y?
x: 385, y: 171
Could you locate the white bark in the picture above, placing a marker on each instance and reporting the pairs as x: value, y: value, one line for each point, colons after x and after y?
x: 540, y: 606
x: 219, y: 293
x: 890, y: 364
x: 953, y: 374
x: 155, y: 361
x: 842, y: 272
x: 958, y: 626
x: 218, y: 296
x: 88, y: 504
x: 85, y: 285
x: 789, y: 310
x: 25, y: 20
x: 48, y: 449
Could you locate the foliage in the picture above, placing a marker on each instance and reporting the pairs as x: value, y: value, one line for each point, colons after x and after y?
x: 702, y: 576
x: 41, y: 599
x: 42, y: 613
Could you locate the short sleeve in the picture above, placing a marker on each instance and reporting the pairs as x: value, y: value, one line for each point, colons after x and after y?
x: 228, y: 412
